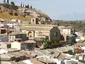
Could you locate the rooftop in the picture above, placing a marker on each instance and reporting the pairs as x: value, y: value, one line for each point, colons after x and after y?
x: 38, y: 27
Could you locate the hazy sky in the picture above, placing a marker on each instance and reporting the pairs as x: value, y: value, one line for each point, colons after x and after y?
x: 58, y: 9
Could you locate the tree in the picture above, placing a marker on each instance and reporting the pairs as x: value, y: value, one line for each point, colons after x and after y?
x: 4, y: 1
x: 11, y: 12
x: 16, y: 14
x: 49, y: 43
x: 27, y: 6
x: 30, y: 7
x: 46, y: 43
x: 12, y: 3
x: 21, y: 4
x: 7, y: 1
x: 71, y: 52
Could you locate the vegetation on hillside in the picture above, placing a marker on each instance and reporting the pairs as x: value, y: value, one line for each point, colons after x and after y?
x: 77, y: 25
x: 9, y: 17
x: 52, y: 43
x: 12, y: 3
x: 11, y: 11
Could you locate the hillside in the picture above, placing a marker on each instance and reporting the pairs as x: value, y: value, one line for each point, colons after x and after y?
x: 23, y: 13
x: 9, y: 17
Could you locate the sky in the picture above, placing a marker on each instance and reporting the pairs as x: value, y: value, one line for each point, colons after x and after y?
x: 58, y: 9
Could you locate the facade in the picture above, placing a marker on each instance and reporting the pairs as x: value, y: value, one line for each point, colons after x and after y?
x: 14, y: 35
x: 13, y: 45
x: 5, y: 45
x: 41, y: 31
x: 27, y: 45
x: 65, y: 31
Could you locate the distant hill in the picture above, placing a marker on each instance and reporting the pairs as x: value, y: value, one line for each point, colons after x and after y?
x: 73, y: 16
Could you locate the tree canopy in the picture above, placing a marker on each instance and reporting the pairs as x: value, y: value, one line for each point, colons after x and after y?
x: 12, y: 3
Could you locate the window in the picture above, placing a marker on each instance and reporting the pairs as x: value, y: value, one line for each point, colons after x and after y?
x: 62, y: 62
x: 55, y: 34
x: 9, y: 46
x: 3, y: 31
x: 40, y: 33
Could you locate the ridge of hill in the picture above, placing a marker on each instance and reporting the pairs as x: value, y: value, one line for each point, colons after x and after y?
x: 22, y: 13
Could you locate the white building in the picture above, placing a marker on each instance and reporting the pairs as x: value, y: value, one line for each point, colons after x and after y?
x: 65, y: 31
x: 27, y: 45
x: 42, y: 31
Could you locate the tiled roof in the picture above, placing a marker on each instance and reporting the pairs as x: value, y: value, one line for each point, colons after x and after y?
x: 30, y: 41
x: 38, y: 27
x: 35, y: 61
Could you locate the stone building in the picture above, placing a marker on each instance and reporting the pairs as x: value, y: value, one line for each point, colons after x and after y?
x: 41, y: 31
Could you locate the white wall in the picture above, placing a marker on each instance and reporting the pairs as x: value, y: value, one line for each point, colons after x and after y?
x: 3, y: 45
x: 16, y: 45
x: 41, y: 33
x: 67, y: 31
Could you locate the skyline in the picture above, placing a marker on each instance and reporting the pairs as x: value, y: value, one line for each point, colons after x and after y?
x: 58, y: 9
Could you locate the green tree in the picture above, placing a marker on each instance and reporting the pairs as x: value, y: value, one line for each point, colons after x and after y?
x: 21, y: 4
x: 30, y: 7
x: 12, y: 3
x: 7, y: 1
x: 4, y: 1
x: 27, y: 6
x: 50, y: 43
x: 71, y: 52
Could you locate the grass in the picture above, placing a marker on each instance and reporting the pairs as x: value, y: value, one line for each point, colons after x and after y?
x: 6, y: 16
x: 9, y: 17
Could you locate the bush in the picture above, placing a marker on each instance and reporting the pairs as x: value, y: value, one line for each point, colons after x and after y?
x: 12, y: 3
x: 71, y: 52
x: 16, y: 14
x: 10, y: 13
x: 50, y: 44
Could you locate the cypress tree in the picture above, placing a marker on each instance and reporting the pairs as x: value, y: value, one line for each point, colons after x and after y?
x: 7, y: 1
x: 30, y: 7
x: 27, y: 6
x: 4, y: 1
x: 21, y: 4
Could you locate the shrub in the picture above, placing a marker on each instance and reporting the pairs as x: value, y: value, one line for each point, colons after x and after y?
x: 16, y: 14
x: 71, y: 52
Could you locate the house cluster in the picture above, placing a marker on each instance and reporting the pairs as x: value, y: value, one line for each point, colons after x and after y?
x: 16, y: 30
x: 19, y: 43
